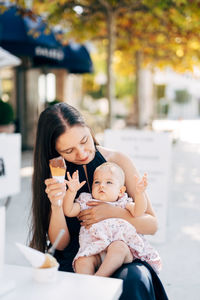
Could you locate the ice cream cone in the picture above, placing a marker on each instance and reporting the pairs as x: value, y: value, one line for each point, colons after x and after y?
x: 57, y: 167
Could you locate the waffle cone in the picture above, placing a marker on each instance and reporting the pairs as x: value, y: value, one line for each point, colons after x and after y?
x: 57, y: 166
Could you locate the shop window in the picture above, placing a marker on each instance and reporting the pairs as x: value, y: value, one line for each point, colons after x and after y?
x: 47, y: 87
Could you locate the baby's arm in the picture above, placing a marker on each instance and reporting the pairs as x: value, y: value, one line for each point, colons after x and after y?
x: 139, y: 207
x: 70, y: 208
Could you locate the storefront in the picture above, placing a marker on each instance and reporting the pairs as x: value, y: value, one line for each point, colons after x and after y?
x: 45, y: 65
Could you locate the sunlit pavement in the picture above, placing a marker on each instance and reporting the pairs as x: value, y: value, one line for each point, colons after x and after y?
x: 180, y: 252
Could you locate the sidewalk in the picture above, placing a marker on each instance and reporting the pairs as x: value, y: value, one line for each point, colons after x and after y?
x: 180, y: 252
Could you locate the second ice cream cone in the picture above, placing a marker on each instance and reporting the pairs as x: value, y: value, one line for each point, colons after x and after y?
x: 35, y: 257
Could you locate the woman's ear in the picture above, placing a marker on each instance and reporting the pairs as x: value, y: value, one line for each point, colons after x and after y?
x: 122, y: 191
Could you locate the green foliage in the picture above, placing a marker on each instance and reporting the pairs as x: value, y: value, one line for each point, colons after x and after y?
x: 163, y: 109
x: 125, y: 83
x: 98, y: 93
x: 6, y: 113
x: 125, y: 86
x: 160, y: 91
x: 53, y: 102
x: 93, y: 89
x: 182, y: 96
x: 166, y: 109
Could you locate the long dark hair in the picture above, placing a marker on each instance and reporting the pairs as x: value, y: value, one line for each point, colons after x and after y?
x: 53, y: 122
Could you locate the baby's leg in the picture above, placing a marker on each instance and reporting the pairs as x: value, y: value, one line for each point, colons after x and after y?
x: 87, y: 264
x: 117, y: 254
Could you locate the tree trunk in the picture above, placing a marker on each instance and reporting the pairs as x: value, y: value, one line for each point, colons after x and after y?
x: 133, y: 119
x: 137, y: 106
x: 143, y: 104
x: 110, y: 73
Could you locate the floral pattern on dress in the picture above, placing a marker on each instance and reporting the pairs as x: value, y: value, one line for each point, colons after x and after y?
x: 100, y: 235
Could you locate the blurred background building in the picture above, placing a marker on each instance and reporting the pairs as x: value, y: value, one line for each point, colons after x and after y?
x: 44, y: 69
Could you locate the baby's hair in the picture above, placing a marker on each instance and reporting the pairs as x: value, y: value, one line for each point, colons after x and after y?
x: 113, y: 168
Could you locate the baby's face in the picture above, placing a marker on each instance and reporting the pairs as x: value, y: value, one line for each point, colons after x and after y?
x: 106, y: 186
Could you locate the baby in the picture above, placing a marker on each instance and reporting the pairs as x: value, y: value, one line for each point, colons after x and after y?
x: 108, y: 244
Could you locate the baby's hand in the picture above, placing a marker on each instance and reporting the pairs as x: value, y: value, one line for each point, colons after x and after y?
x: 141, y: 184
x: 73, y: 182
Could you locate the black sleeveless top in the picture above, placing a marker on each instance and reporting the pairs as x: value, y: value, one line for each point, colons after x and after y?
x: 66, y: 256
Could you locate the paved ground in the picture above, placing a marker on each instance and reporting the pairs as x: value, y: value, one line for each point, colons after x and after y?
x: 180, y: 252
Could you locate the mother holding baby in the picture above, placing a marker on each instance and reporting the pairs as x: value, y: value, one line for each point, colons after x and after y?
x: 62, y: 131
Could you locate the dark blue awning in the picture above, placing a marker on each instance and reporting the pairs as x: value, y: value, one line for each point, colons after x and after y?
x: 77, y: 58
x: 26, y: 34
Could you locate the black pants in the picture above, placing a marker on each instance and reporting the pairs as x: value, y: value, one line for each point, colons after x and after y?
x: 140, y: 282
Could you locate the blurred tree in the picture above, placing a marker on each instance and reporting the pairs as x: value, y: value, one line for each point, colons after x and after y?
x: 166, y: 34
x: 91, y: 19
x: 146, y: 32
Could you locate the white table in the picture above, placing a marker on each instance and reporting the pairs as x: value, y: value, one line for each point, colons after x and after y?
x: 68, y: 286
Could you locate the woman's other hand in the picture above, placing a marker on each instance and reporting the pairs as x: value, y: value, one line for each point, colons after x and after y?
x: 55, y: 191
x: 99, y: 211
x: 140, y: 184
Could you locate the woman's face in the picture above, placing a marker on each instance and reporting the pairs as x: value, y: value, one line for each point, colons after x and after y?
x: 76, y: 145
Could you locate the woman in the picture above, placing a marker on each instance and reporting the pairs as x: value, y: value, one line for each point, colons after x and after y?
x: 62, y: 131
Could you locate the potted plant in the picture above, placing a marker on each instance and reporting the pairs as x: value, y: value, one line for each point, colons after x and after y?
x: 53, y: 102
x: 6, y: 117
